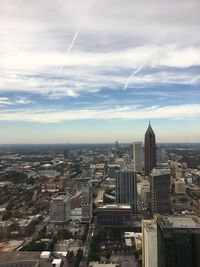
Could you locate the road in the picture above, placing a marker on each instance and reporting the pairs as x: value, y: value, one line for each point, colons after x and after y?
x: 143, y: 211
x: 99, y: 196
x: 91, y: 232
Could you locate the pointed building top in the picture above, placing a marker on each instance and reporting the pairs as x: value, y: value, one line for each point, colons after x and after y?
x: 149, y: 129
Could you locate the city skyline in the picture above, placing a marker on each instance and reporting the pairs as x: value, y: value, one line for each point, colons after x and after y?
x: 97, y: 71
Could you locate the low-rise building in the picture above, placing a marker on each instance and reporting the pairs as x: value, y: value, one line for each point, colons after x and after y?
x: 16, y: 228
x: 180, y: 187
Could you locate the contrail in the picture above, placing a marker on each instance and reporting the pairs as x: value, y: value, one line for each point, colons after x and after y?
x: 130, y: 77
x: 72, y: 42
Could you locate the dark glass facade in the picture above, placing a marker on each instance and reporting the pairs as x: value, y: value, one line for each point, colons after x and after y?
x: 114, y: 216
x: 126, y: 188
x: 178, y: 247
x: 160, y: 192
x: 149, y: 150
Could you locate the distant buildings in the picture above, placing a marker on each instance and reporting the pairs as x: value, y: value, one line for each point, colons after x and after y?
x: 126, y: 188
x: 116, y: 149
x: 160, y: 191
x: 137, y: 156
x: 66, y: 154
x: 149, y: 150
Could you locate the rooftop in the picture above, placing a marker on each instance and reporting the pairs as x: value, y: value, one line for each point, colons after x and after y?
x: 150, y: 228
x: 23, y: 259
x: 97, y: 264
x: 189, y: 222
x: 115, y: 206
x: 156, y: 172
x: 62, y: 195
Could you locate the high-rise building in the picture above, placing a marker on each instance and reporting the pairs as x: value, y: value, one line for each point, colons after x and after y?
x: 86, y: 204
x: 171, y: 241
x: 137, y: 156
x: 66, y: 154
x: 149, y: 150
x: 126, y: 188
x: 60, y: 207
x: 149, y: 243
x: 178, y: 241
x: 160, y: 190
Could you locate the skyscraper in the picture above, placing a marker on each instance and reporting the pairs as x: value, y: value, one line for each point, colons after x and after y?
x: 159, y: 190
x: 149, y: 150
x: 137, y: 156
x: 126, y: 188
x: 171, y: 241
x: 178, y: 241
x: 149, y: 243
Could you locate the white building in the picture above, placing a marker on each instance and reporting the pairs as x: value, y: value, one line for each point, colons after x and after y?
x: 137, y: 156
x: 180, y: 187
x: 149, y: 244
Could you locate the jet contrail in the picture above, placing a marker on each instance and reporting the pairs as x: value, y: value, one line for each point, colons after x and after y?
x: 130, y: 77
x: 72, y: 42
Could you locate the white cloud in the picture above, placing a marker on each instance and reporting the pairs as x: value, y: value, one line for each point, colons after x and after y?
x: 8, y: 101
x: 5, y: 101
x: 92, y: 71
x: 23, y: 101
x: 169, y: 56
x: 115, y: 34
x: 124, y: 113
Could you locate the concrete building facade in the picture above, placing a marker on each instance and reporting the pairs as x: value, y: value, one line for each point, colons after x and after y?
x: 137, y: 156
x: 60, y: 207
x: 149, y: 243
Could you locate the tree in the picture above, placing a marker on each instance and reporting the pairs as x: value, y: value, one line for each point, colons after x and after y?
x: 108, y: 254
x: 70, y: 255
x: 79, y: 254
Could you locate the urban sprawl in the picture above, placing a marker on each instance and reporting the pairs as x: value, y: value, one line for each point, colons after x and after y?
x: 98, y: 205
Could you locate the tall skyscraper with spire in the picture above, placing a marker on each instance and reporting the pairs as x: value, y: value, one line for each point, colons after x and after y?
x: 149, y: 150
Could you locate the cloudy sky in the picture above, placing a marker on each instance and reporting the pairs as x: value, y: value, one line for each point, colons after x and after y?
x: 98, y: 71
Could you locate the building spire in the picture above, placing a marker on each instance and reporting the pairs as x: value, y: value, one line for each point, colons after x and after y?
x: 150, y: 149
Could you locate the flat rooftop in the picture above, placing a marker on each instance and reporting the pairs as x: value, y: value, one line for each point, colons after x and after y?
x: 189, y: 222
x: 157, y: 172
x: 62, y: 195
x: 150, y: 227
x: 23, y: 259
x: 115, y: 206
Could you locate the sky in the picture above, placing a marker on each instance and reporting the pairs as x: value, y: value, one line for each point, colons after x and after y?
x: 87, y: 71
